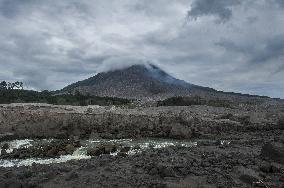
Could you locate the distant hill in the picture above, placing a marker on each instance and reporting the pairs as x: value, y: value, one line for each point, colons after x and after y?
x: 137, y: 81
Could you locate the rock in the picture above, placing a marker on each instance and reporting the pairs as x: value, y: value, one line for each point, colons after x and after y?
x: 275, y: 168
x: 125, y: 149
x: 107, y: 135
x: 69, y: 149
x: 71, y: 175
x: 245, y: 120
x: 265, y: 167
x: 94, y: 135
x: 21, y: 153
x: 25, y: 174
x: 61, y: 153
x: 225, y: 116
x: 273, y: 151
x: 247, y: 175
x: 13, y: 183
x: 102, y: 149
x: 3, y: 153
x: 7, y: 136
x: 205, y: 164
x: 136, y: 147
x: 192, y: 182
x: 77, y: 143
x: 5, y: 146
x: 122, y: 154
x: 94, y: 151
x: 109, y: 148
x: 89, y: 110
x: 208, y: 143
x: 281, y: 122
x: 52, y: 152
x: 166, y: 171
x: 180, y: 132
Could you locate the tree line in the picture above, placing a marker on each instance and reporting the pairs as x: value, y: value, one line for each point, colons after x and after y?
x: 11, y: 85
x: 14, y: 93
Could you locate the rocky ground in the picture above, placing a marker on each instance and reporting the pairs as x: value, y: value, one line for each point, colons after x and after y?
x: 252, y: 155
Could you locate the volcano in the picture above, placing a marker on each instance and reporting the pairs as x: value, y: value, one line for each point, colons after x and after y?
x: 135, y: 82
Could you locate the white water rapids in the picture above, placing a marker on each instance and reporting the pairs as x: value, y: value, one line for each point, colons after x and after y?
x: 81, y: 153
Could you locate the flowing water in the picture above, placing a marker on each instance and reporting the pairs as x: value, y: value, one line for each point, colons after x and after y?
x: 136, y: 145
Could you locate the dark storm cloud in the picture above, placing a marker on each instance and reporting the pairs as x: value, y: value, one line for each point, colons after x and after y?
x: 262, y: 52
x: 279, y: 2
x: 220, y: 8
x: 273, y: 49
x: 13, y: 8
x: 49, y: 44
x: 33, y: 78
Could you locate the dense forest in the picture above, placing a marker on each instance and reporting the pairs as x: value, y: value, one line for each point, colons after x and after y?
x: 14, y: 93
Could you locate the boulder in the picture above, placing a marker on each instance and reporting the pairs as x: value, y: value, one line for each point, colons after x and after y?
x: 281, y: 122
x: 5, y: 146
x: 3, y: 153
x: 94, y: 135
x: 61, y: 153
x: 270, y: 167
x: 102, y: 149
x: 247, y: 175
x: 265, y: 167
x: 7, y: 136
x: 225, y: 116
x: 122, y: 154
x: 165, y: 170
x: 94, y: 151
x: 137, y: 147
x: 180, y: 132
x: 53, y: 152
x: 273, y: 151
x: 71, y: 175
x: 69, y: 149
x: 125, y: 149
x: 109, y: 148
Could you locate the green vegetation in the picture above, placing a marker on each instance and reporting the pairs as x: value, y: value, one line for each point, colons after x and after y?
x: 195, y: 100
x: 25, y: 96
x: 11, y: 85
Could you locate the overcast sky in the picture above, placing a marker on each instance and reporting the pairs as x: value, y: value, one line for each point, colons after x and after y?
x: 230, y: 45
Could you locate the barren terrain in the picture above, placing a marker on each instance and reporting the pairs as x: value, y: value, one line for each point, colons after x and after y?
x: 230, y: 147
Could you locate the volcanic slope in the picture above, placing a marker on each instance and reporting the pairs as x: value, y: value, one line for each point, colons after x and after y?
x: 136, y: 82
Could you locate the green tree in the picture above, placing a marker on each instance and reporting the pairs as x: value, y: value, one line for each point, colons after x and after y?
x: 18, y: 85
x: 3, y: 85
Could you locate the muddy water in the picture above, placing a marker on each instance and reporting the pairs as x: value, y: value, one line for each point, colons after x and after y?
x: 136, y: 145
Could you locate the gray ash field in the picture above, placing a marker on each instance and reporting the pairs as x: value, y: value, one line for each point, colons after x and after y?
x: 191, y: 146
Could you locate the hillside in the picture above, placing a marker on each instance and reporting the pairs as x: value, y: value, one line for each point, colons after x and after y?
x: 137, y: 81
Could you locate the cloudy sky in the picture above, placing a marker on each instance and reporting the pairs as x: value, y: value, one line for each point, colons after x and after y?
x: 231, y: 45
